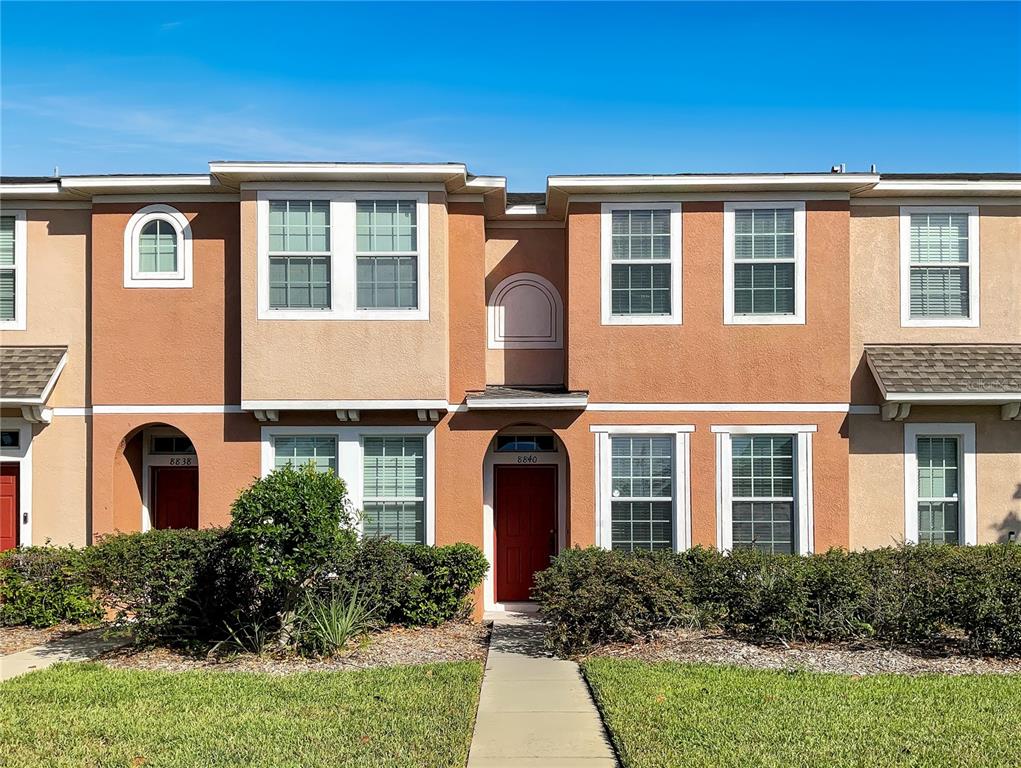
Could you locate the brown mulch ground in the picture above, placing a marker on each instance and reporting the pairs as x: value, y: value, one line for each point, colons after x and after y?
x: 453, y: 641
x: 713, y: 648
x: 14, y: 639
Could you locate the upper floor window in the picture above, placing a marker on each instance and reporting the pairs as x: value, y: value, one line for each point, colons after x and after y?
x: 343, y: 255
x: 939, y: 266
x: 13, y: 271
x: 387, y: 254
x: 641, y: 263
x: 764, y: 277
x: 299, y: 254
x: 157, y: 249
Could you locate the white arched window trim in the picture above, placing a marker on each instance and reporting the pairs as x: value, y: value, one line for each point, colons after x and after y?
x: 498, y: 338
x: 133, y: 276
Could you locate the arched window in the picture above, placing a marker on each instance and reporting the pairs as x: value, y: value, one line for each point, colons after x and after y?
x: 157, y: 249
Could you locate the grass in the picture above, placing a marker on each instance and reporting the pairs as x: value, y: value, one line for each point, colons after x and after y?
x: 89, y: 715
x: 668, y: 714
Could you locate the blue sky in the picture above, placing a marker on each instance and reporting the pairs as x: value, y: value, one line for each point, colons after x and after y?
x: 521, y: 90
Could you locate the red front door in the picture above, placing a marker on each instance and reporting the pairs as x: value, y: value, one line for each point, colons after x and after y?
x: 526, y: 528
x: 9, y: 474
x: 175, y: 493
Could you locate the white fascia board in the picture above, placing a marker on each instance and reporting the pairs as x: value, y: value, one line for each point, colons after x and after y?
x: 486, y: 183
x: 953, y: 398
x: 528, y: 404
x: 525, y: 210
x: 17, y: 190
x: 197, y: 181
x: 852, y: 182
x: 943, y: 187
x: 339, y: 171
x: 334, y: 405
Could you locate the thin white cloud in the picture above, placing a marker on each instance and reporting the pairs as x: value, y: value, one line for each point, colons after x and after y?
x: 169, y: 25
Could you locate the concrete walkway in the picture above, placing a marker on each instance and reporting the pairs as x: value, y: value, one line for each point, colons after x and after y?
x: 83, y: 647
x: 534, y: 710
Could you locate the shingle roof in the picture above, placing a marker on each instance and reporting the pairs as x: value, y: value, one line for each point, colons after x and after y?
x: 946, y: 368
x: 25, y: 371
x: 526, y: 198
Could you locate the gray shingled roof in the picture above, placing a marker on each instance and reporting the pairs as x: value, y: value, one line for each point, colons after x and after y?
x: 494, y: 392
x: 946, y: 368
x: 25, y: 371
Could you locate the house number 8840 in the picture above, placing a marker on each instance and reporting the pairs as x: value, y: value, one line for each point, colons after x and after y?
x: 529, y: 459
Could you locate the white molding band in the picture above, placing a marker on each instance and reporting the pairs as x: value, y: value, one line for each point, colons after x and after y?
x: 343, y: 405
x: 713, y: 407
x: 967, y: 477
x: 147, y: 409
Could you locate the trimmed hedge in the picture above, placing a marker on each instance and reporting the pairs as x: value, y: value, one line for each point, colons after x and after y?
x: 43, y: 586
x: 969, y: 597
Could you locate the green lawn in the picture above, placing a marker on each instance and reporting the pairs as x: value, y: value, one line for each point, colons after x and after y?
x: 88, y: 715
x: 669, y: 714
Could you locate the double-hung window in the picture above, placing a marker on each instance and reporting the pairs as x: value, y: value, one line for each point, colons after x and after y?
x: 386, y: 252
x: 299, y: 254
x: 765, y: 263
x: 299, y: 450
x: 939, y: 266
x: 12, y: 271
x: 394, y: 487
x: 641, y: 270
x: 642, y: 491
x: 939, y: 482
x: 763, y: 492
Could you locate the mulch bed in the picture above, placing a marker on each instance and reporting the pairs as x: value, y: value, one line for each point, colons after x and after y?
x: 453, y: 641
x: 14, y: 639
x: 691, y: 646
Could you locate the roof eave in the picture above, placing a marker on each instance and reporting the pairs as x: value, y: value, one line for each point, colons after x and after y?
x: 939, y: 188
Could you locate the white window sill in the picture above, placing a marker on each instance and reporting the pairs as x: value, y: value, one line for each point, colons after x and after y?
x: 764, y: 320
x: 642, y: 320
x: 330, y: 314
x: 940, y: 322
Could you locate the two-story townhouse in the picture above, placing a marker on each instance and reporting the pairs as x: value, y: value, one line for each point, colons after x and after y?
x: 627, y: 361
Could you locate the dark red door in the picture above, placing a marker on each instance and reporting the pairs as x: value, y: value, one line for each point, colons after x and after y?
x: 175, y: 497
x: 526, y: 515
x: 9, y: 474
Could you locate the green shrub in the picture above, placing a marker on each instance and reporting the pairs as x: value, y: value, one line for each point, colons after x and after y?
x: 328, y: 623
x: 917, y: 595
x: 285, y: 528
x: 163, y: 581
x: 44, y: 586
x: 594, y: 596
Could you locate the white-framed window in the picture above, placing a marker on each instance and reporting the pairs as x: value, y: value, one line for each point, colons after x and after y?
x: 764, y: 263
x: 13, y: 270
x: 158, y: 249
x: 641, y: 271
x: 939, y: 260
x: 764, y: 487
x: 940, y: 489
x: 390, y: 472
x: 343, y: 255
x: 642, y: 494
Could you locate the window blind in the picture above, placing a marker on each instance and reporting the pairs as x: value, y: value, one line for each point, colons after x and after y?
x: 641, y: 506
x: 393, y: 477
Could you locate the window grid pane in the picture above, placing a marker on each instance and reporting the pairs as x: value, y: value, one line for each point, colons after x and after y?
x: 7, y: 241
x: 7, y: 275
x: 387, y: 282
x: 299, y: 450
x: 640, y: 288
x: 938, y: 489
x: 762, y: 486
x: 641, y: 509
x: 766, y: 236
x: 394, y: 488
x: 299, y: 226
x: 157, y: 247
x: 7, y: 294
x: 299, y: 282
x: 386, y: 226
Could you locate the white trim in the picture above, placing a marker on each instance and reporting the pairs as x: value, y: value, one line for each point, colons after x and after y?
x: 51, y: 205
x: 150, y: 460
x: 804, y: 505
x: 350, y: 460
x: 343, y: 281
x: 72, y: 410
x: 338, y: 405
x: 704, y: 197
x: 179, y: 409
x: 155, y: 181
x: 340, y: 186
x: 497, y: 312
x: 182, y: 276
x: 894, y: 202
x: 852, y: 182
x: 974, y: 285
x: 198, y: 197
x: 960, y: 398
x: 676, y: 264
x: 558, y: 459
x: 800, y: 249
x: 365, y: 170
x: 45, y: 188
x: 721, y: 407
x: 967, y: 478
x: 944, y: 186
x: 22, y: 455
x: 20, y: 320
x: 566, y: 403
x: 681, y: 479
x: 763, y: 429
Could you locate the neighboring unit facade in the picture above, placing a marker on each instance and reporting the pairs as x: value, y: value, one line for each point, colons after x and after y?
x: 788, y: 361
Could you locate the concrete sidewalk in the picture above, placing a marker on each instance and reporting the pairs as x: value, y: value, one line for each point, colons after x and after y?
x: 83, y: 647
x: 534, y: 710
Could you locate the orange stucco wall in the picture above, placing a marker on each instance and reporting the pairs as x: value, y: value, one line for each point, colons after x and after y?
x: 161, y: 346
x: 467, y: 330
x: 703, y: 360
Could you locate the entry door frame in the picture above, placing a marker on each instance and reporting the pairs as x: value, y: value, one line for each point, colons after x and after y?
x: 150, y: 460
x: 556, y: 459
x: 22, y: 455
